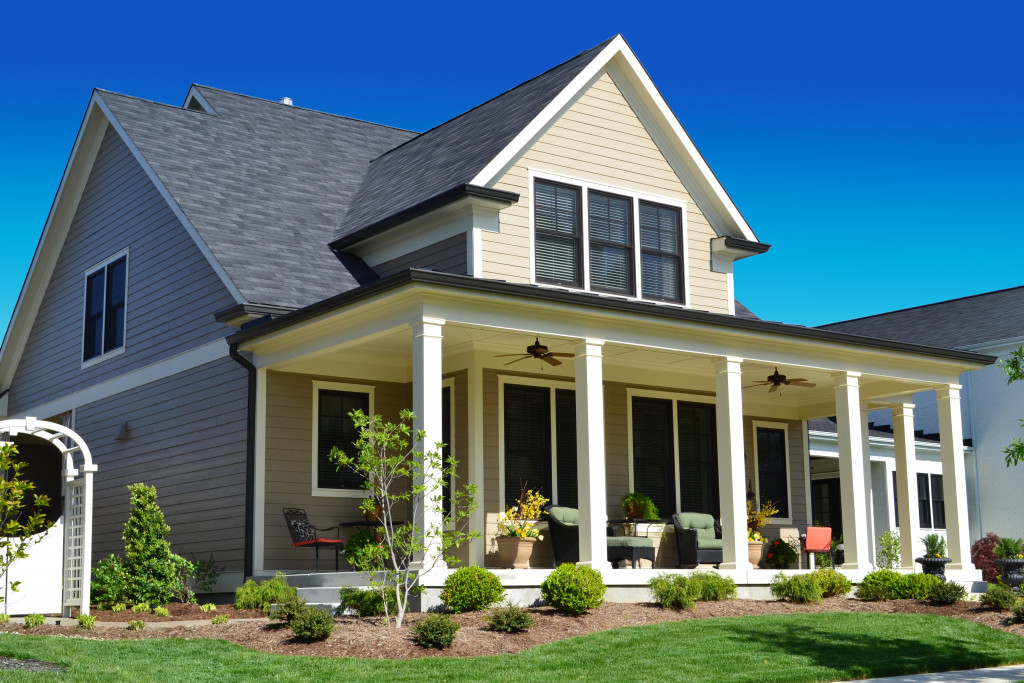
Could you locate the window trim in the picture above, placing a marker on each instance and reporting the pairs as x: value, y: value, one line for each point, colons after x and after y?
x: 674, y: 397
x: 551, y: 385
x: 789, y: 476
x: 635, y: 197
x: 102, y: 265
x: 315, y: 419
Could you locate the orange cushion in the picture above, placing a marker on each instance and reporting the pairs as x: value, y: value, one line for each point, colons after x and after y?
x: 319, y: 540
x: 819, y: 539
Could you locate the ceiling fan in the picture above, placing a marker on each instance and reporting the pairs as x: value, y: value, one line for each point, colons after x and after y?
x: 538, y: 351
x: 776, y: 380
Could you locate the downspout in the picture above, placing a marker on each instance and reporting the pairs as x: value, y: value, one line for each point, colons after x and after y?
x: 250, y: 457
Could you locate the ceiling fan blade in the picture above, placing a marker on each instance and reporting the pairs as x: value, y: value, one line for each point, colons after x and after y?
x: 775, y: 387
x: 563, y: 355
x: 796, y: 379
x: 549, y: 360
x: 802, y: 383
x: 758, y: 384
x: 509, y: 355
x: 517, y: 360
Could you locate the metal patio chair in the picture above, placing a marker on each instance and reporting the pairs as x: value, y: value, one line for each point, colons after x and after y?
x: 304, y: 534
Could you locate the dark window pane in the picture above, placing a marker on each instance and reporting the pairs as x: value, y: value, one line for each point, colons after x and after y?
x: 698, y: 458
x: 611, y: 239
x: 113, y: 323
x: 527, y: 441
x: 556, y: 259
x: 556, y: 218
x: 335, y: 428
x: 660, y: 275
x: 924, y: 502
x: 661, y: 263
x: 94, y: 293
x: 938, y: 502
x: 611, y: 269
x: 565, y: 445
x: 653, y: 471
x: 446, y: 451
x: 771, y: 468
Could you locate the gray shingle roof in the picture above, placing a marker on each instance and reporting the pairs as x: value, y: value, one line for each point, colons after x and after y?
x: 265, y: 185
x: 452, y: 153
x: 953, y: 324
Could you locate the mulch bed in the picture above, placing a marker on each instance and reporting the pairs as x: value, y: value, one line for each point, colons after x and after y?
x: 369, y: 638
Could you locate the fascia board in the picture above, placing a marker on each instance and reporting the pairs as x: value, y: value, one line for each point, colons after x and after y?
x: 694, y: 171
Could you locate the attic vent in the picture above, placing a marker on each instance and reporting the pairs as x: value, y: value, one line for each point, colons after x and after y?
x: 286, y: 100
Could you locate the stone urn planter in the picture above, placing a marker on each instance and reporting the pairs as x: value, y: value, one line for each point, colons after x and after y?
x: 755, y: 549
x: 515, y: 552
x: 1013, y: 571
x: 936, y: 566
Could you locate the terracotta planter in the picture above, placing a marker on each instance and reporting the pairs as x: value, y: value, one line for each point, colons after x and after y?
x: 515, y: 552
x: 373, y: 516
x: 936, y: 566
x: 1013, y: 571
x: 755, y: 549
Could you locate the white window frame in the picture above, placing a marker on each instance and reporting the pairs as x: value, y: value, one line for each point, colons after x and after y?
x: 315, y: 419
x: 551, y: 385
x: 674, y: 397
x: 635, y: 196
x: 102, y: 356
x: 784, y: 426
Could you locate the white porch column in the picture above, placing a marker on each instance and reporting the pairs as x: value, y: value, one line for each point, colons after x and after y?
x: 865, y: 440
x: 954, y: 479
x: 851, y: 470
x: 731, y: 463
x: 426, y: 404
x: 593, y: 492
x: 906, y: 481
x: 477, y: 549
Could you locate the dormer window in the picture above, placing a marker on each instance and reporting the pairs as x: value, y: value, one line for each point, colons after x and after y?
x: 105, y: 298
x: 600, y: 240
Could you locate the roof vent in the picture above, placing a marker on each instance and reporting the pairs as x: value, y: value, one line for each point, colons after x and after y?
x: 286, y: 100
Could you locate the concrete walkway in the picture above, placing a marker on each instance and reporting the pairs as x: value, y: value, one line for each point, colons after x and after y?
x: 997, y: 674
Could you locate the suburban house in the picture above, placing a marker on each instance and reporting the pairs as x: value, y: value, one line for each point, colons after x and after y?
x: 991, y: 411
x: 220, y: 283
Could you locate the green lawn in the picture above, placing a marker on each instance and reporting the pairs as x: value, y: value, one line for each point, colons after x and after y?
x: 796, y: 647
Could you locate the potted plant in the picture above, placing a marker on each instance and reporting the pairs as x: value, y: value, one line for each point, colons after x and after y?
x: 639, y: 506
x: 364, y: 550
x: 1009, y: 554
x: 781, y: 554
x: 755, y: 520
x: 371, y: 509
x: 934, y: 560
x: 517, y: 530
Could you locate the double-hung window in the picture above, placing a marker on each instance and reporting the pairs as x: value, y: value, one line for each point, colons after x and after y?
x: 772, y: 466
x: 931, y: 502
x: 539, y: 442
x: 105, y: 297
x: 608, y: 242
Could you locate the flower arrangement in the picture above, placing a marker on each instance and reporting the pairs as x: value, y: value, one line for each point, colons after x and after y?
x: 758, y: 518
x: 781, y: 554
x: 639, y: 505
x: 934, y: 545
x: 1008, y: 548
x: 520, y: 520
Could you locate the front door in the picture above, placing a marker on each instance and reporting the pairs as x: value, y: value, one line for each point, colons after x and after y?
x: 826, y: 505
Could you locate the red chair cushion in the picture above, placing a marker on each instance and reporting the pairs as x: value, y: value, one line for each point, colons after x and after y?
x: 319, y: 540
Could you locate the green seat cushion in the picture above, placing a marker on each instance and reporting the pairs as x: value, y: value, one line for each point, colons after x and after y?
x: 709, y: 543
x: 704, y: 525
x: 633, y: 542
x: 567, y: 516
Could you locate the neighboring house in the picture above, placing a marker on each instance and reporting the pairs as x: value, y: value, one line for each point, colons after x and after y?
x: 990, y: 323
x: 220, y: 283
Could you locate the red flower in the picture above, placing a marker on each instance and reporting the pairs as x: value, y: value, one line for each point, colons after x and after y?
x: 769, y: 554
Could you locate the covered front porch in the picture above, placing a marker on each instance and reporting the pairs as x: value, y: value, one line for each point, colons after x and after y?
x: 663, y: 400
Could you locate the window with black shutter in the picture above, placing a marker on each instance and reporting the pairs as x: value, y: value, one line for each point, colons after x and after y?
x: 698, y: 458
x: 653, y: 451
x: 924, y: 504
x: 610, y: 228
x: 661, y: 252
x: 938, y: 503
x: 772, y: 477
x: 558, y: 234
x: 895, y: 500
x: 539, y: 453
x: 105, y: 296
x: 565, y: 439
x: 335, y: 428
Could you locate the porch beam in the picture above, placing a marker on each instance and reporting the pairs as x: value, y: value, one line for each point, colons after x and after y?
x: 590, y: 457
x: 906, y: 480
x: 954, y: 479
x: 731, y: 462
x: 426, y: 404
x: 869, y: 503
x: 851, y: 470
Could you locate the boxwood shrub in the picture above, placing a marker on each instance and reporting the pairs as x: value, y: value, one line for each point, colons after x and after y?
x: 312, y: 624
x: 436, y: 630
x: 469, y: 589
x: 799, y: 588
x: 999, y: 596
x: 510, y: 619
x: 573, y: 589
x: 946, y: 593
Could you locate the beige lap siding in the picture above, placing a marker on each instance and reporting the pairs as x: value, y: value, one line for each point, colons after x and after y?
x: 600, y: 139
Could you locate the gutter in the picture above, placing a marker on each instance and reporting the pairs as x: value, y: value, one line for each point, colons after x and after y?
x: 250, y: 458
x: 587, y: 299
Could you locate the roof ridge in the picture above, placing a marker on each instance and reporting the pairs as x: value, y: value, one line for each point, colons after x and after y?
x: 599, y: 46
x: 305, y: 109
x: 914, y: 308
x: 149, y: 101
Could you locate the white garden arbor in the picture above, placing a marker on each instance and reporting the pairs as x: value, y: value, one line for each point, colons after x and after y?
x: 78, y: 499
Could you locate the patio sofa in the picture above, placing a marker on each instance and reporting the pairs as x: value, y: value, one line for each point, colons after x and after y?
x: 564, y: 528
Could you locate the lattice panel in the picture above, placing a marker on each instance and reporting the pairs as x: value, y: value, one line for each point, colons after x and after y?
x: 74, y: 526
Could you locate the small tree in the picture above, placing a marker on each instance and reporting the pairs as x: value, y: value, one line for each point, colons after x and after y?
x: 152, y: 571
x: 395, y: 473
x: 1014, y: 369
x: 18, y: 531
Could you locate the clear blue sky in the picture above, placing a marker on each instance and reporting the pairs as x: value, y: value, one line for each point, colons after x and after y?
x: 878, y: 146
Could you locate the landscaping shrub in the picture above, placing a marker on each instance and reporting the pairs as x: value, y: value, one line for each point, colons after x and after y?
x: 780, y: 554
x: 832, y: 582
x: 109, y: 583
x: 672, y: 591
x: 1018, y: 609
x: 289, y: 608
x: 252, y: 595
x: 436, y: 630
x: 118, y: 607
x: 888, y: 555
x: 4, y: 618
x: 469, y: 589
x: 141, y: 608
x: 219, y: 619
x: 86, y: 621
x: 799, y: 588
x: 208, y: 607
x: 311, y: 624
x: 915, y: 586
x: 710, y: 586
x: 365, y: 603
x: 510, y: 619
x: 33, y: 620
x: 983, y: 557
x: 999, y: 596
x: 161, y: 612
x: 196, y: 576
x: 364, y: 550
x: 880, y: 584
x: 136, y: 624
x: 151, y: 569
x: 946, y: 593
x: 573, y: 589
